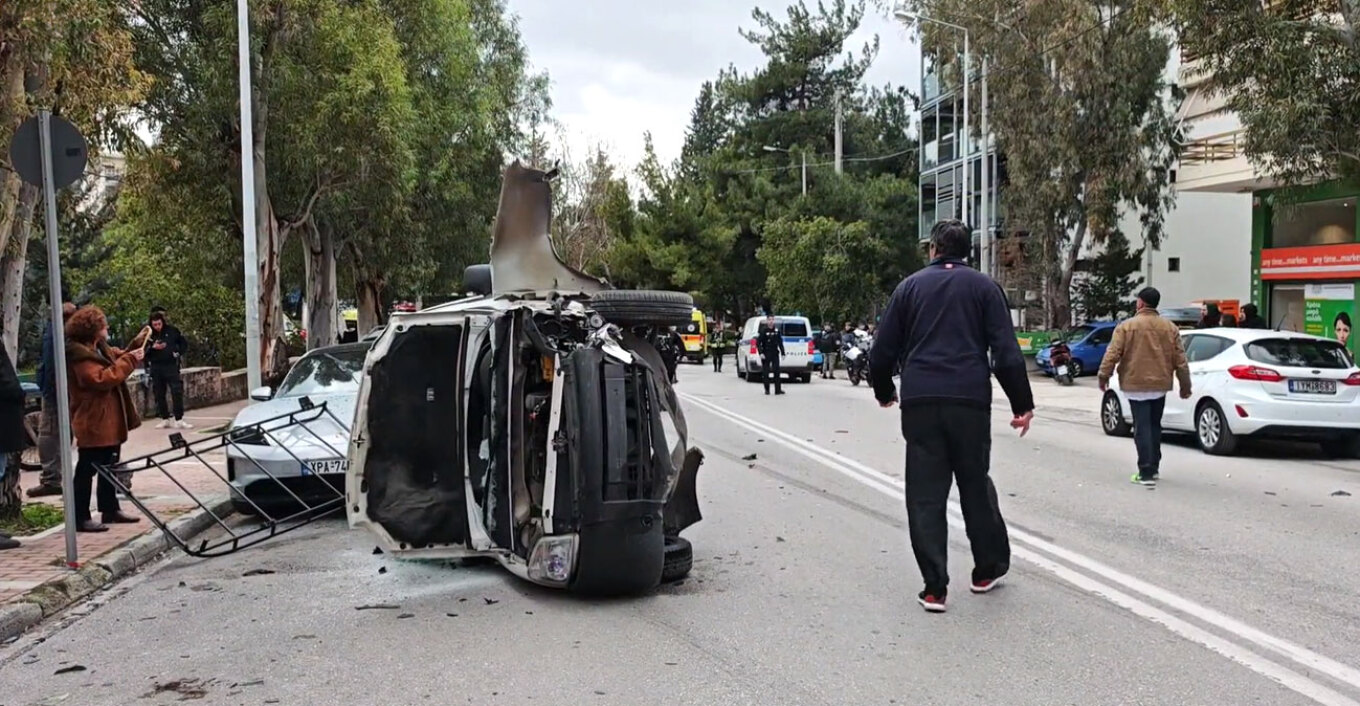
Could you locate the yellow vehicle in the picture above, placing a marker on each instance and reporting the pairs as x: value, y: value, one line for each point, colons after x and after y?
x: 695, y: 336
x: 350, y: 319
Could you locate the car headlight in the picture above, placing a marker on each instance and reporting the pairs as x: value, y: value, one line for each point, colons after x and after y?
x: 248, y: 436
x: 552, y: 559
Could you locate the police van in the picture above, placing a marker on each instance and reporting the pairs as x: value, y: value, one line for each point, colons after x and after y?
x: 799, y: 349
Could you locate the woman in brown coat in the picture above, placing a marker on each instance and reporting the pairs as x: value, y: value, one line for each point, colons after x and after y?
x: 102, y: 412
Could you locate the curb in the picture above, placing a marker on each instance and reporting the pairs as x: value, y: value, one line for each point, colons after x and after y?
x: 58, y: 594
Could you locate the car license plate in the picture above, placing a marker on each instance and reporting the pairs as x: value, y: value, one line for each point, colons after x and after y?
x: 1062, y: 369
x: 328, y: 466
x: 1313, y: 387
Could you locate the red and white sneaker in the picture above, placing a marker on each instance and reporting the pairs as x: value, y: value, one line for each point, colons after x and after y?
x: 931, y: 603
x: 986, y: 585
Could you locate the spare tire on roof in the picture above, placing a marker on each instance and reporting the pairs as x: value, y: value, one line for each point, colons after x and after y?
x: 630, y: 307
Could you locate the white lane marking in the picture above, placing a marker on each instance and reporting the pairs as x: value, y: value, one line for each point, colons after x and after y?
x: 1293, y: 680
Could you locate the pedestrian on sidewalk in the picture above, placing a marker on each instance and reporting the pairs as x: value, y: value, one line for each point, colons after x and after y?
x: 12, y: 439
x: 770, y: 346
x: 164, y: 353
x: 830, y: 346
x: 49, y: 434
x: 942, y: 326
x: 1146, y: 351
x: 102, y: 412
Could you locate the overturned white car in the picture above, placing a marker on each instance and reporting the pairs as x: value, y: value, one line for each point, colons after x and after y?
x: 533, y: 422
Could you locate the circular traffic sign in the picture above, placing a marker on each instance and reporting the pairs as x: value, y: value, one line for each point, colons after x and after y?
x: 69, y: 152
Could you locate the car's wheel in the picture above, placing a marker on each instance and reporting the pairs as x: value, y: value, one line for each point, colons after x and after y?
x: 754, y: 375
x: 1343, y: 447
x: 679, y: 559
x: 740, y: 373
x: 805, y: 378
x: 632, y: 307
x: 1212, y: 432
x: 1112, y: 416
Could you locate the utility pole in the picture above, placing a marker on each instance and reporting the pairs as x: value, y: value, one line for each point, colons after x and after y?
x: 967, y: 132
x: 985, y: 211
x: 250, y: 245
x: 805, y: 172
x: 838, y: 131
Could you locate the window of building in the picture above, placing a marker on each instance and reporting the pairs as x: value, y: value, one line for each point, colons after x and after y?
x: 1173, y: 264
x: 1315, y: 223
x: 948, y: 130
x: 930, y: 138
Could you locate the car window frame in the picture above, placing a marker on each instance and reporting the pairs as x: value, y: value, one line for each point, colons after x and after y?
x: 1223, y: 342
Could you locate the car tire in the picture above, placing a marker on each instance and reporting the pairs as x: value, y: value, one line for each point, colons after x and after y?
x: 805, y: 378
x: 1343, y: 447
x: 1212, y: 432
x: 1112, y: 416
x: 1074, y: 369
x: 634, y: 307
x: 679, y: 559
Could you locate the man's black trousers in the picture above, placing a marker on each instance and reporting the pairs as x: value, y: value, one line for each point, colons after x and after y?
x: 948, y: 441
x: 769, y: 366
x: 161, y: 380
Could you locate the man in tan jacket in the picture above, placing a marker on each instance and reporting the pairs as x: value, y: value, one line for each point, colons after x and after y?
x: 1146, y: 351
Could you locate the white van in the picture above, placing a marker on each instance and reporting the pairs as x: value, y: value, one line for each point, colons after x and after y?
x: 798, y: 348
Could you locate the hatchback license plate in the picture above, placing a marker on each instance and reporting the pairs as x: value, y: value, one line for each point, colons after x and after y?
x: 1313, y: 387
x: 333, y: 465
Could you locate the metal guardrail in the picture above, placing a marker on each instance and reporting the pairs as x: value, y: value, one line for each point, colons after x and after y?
x: 240, y: 536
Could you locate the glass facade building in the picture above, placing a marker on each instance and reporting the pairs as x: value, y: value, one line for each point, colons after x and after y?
x: 942, y: 159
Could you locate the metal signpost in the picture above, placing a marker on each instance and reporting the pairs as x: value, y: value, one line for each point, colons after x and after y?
x: 49, y: 152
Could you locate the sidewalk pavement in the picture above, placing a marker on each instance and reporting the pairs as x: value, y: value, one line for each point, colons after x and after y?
x: 1079, y: 402
x: 42, y: 558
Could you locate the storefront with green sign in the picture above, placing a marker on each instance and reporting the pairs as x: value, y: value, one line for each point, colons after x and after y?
x: 1306, y: 259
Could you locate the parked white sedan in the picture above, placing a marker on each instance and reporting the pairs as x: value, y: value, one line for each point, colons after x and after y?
x: 1259, y: 383
x: 277, y: 459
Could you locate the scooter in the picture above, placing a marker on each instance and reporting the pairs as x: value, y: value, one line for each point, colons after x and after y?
x: 857, y: 362
x: 1060, y: 358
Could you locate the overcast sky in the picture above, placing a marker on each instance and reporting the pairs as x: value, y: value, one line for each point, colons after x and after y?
x: 625, y: 67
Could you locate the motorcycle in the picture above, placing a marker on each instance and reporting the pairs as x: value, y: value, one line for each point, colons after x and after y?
x: 1060, y: 358
x: 857, y: 361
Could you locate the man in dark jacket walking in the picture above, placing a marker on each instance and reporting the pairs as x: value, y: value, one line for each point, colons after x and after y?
x: 164, y: 350
x: 770, y: 346
x: 49, y: 435
x: 943, y: 324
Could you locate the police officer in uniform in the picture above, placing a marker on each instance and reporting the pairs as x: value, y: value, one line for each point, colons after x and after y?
x: 770, y: 345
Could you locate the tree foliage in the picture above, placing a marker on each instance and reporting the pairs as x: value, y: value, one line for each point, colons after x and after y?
x: 704, y: 224
x: 1105, y: 290
x: 1082, y: 112
x: 1291, y: 72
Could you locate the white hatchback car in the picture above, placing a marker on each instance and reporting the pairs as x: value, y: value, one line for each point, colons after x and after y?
x: 1259, y: 383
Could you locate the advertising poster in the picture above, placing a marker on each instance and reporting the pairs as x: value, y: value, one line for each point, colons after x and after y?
x: 1329, y: 310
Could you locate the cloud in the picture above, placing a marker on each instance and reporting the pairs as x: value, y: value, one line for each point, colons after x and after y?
x: 625, y: 67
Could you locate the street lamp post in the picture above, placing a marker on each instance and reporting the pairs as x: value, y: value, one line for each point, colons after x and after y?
x: 770, y: 148
x: 251, y: 257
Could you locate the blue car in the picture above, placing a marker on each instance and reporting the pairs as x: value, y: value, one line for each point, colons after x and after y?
x: 1087, y: 342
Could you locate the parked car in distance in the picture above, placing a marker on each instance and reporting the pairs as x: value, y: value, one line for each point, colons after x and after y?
x: 308, y: 459
x: 1258, y: 383
x: 1087, y: 343
x: 1184, y: 317
x: 799, y: 350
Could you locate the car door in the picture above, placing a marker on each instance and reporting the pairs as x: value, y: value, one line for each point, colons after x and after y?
x: 797, y: 335
x: 1092, y: 350
x: 407, y: 477
x: 1206, y: 370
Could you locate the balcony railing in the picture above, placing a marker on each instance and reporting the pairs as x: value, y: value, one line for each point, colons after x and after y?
x: 1213, y: 148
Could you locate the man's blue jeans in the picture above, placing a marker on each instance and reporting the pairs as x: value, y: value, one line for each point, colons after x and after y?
x: 1147, y: 434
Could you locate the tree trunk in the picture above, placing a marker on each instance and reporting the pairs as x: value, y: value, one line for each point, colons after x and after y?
x: 368, y: 298
x: 11, y: 501
x: 12, y: 266
x: 321, y: 294
x: 1062, y: 290
x: 12, y: 101
x: 269, y: 236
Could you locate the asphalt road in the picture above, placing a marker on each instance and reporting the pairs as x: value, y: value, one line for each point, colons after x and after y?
x: 1234, y: 582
